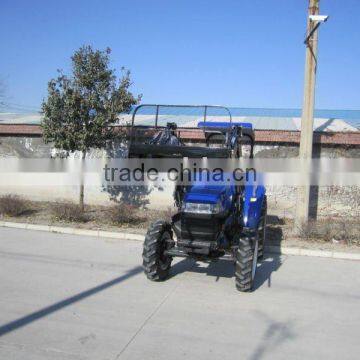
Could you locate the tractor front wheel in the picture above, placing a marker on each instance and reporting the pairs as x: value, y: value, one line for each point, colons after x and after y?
x: 262, y: 230
x: 155, y: 263
x: 246, y: 257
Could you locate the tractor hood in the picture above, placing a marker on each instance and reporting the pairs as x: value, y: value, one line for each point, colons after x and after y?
x: 208, y: 194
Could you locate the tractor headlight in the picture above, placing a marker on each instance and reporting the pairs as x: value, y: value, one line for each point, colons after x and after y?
x: 200, y: 208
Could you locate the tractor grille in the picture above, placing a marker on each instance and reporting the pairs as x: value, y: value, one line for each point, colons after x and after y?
x: 197, y: 229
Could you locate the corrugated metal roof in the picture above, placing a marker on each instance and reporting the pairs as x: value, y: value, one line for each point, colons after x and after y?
x: 259, y: 122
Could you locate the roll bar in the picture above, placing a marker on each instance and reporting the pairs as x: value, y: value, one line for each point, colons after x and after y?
x: 158, y: 106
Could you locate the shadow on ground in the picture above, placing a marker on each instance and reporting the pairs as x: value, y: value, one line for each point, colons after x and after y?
x: 224, y: 268
x: 274, y: 230
x: 28, y: 319
x: 276, y: 334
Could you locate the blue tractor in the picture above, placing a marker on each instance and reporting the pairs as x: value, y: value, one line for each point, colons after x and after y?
x: 212, y: 220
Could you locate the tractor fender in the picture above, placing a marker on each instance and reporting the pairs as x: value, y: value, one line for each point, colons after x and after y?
x: 253, y: 199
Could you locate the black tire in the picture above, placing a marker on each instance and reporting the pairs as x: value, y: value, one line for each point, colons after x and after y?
x: 155, y: 263
x: 262, y: 230
x: 246, y: 262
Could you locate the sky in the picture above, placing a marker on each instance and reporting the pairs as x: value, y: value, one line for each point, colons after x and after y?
x: 231, y: 52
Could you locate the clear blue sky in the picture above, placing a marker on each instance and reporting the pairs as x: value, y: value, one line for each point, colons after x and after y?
x: 246, y: 53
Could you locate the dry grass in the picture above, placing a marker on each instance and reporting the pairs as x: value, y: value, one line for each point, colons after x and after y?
x: 123, y: 213
x: 68, y: 211
x: 13, y: 205
x: 332, y: 230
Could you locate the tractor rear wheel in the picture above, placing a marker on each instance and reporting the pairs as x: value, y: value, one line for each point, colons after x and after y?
x: 155, y: 263
x: 246, y: 262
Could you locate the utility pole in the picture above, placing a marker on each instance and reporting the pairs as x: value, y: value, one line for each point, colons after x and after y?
x: 307, y: 117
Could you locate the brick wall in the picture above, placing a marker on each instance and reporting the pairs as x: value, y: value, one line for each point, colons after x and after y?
x: 261, y: 136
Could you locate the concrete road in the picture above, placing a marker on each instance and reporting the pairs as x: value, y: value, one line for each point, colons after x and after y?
x: 73, y: 297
